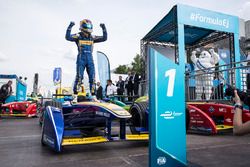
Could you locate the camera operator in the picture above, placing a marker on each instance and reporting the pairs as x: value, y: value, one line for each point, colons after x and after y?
x: 239, y: 128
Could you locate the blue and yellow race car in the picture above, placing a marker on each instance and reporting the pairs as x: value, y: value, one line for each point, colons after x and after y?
x: 86, y: 122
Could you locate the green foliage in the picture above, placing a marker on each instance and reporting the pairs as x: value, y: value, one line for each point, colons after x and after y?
x: 137, y: 66
x: 121, y: 69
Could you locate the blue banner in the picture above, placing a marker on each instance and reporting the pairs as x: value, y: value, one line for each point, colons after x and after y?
x: 103, y: 68
x: 57, y: 75
x: 207, y: 19
x: 167, y: 111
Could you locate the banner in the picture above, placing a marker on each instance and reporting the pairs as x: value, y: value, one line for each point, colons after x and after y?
x: 57, y: 75
x: 103, y: 68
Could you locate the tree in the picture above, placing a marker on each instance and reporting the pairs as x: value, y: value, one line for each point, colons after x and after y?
x: 137, y: 64
x: 121, y: 69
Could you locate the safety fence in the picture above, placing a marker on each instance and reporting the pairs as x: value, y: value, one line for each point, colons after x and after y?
x: 210, y: 84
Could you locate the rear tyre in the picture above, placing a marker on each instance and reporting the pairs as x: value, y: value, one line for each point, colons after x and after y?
x: 138, y: 119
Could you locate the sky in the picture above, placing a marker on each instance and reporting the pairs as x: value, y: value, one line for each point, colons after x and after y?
x: 32, y: 32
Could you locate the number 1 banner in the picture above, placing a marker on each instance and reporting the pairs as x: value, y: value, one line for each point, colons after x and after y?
x: 167, y: 111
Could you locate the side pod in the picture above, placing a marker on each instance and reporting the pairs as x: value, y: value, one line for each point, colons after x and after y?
x: 53, y: 128
x: 200, y: 121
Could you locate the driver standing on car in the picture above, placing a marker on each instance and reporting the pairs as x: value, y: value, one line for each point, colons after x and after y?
x: 5, y: 91
x: 84, y: 41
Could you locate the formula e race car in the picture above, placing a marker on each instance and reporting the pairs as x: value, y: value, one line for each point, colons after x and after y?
x: 201, y: 117
x: 89, y: 121
x: 20, y: 109
x: 212, y: 118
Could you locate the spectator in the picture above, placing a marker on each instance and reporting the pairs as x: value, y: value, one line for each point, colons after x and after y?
x: 110, y: 88
x: 120, y: 88
x: 190, y: 82
x: 5, y: 91
x: 136, y: 82
x: 99, y: 89
x: 129, y: 86
x: 248, y: 71
x: 239, y: 128
x: 218, y: 85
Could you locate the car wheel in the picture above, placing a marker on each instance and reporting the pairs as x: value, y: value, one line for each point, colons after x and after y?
x: 138, y: 119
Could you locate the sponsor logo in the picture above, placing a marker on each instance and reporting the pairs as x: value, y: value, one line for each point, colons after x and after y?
x: 161, y: 160
x: 170, y: 114
x: 210, y: 20
x: 228, y: 120
x: 222, y: 110
x: 102, y: 114
x: 48, y: 140
x: 200, y: 122
x: 211, y: 109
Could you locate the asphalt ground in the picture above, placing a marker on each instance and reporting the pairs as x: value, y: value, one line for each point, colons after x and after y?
x: 20, y: 147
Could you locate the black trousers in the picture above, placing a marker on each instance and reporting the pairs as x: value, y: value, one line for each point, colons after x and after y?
x: 130, y: 94
x: 136, y: 88
x: 120, y: 93
x: 248, y: 81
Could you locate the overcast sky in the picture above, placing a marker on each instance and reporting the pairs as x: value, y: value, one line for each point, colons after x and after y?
x: 32, y: 36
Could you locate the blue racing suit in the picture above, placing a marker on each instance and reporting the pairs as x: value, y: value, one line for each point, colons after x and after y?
x: 85, y: 43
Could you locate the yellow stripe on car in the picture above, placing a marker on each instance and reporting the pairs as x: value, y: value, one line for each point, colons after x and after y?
x: 18, y: 115
x: 137, y: 137
x: 86, y: 140
x: 223, y: 127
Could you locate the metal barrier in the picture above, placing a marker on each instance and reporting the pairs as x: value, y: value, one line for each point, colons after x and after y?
x: 210, y: 84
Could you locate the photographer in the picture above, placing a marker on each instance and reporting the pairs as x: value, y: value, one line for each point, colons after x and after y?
x: 5, y: 91
x: 239, y: 128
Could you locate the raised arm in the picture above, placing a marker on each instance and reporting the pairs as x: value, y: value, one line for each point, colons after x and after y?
x: 239, y: 128
x: 68, y: 35
x: 101, y: 38
x: 215, y: 56
x: 193, y: 57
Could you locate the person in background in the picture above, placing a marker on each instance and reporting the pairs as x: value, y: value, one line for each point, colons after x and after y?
x: 218, y: 85
x: 248, y: 71
x: 99, y: 90
x: 110, y: 88
x: 136, y: 83
x: 129, y: 86
x: 5, y: 91
x: 239, y: 128
x: 120, y: 88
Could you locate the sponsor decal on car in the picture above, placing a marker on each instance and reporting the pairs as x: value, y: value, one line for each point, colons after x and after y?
x: 50, y: 141
x: 228, y: 120
x: 211, y: 109
x: 87, y: 140
x: 222, y: 110
x: 137, y: 137
x: 102, y: 114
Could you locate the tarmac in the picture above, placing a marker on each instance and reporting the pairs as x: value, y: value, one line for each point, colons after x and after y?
x: 20, y: 146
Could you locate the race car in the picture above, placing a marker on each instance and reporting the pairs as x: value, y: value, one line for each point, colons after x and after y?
x: 201, y: 117
x: 85, y: 122
x: 20, y: 109
x: 212, y: 118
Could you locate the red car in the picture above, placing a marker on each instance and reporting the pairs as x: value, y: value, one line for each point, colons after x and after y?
x: 212, y: 118
x: 24, y: 108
